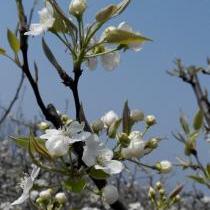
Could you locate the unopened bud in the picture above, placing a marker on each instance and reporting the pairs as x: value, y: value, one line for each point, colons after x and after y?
x: 136, y: 115
x: 77, y: 7
x: 164, y: 166
x: 60, y: 198
x: 64, y: 118
x: 97, y: 126
x: 43, y: 126
x: 152, y: 143
x: 45, y: 194
x: 151, y: 193
x: 150, y: 120
x: 158, y: 185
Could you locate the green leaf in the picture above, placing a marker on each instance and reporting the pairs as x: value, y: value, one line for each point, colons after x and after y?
x: 59, y: 12
x: 98, y: 174
x: 126, y: 118
x: 13, y: 41
x: 59, y: 24
x: 198, y: 120
x: 198, y: 179
x: 106, y: 13
x: 208, y: 169
x: 184, y: 123
x: 121, y: 7
x: 50, y: 56
x: 111, y: 11
x: 2, y: 51
x: 24, y: 142
x: 75, y: 185
x: 40, y: 148
x: 118, y: 36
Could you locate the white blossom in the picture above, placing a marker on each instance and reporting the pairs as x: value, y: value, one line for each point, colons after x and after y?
x: 60, y: 197
x: 134, y: 46
x: 111, y: 60
x: 164, y: 166
x: 77, y: 7
x: 46, y: 21
x: 45, y: 194
x: 58, y: 141
x: 136, y: 146
x: 97, y: 155
x: 136, y: 115
x: 109, y: 118
x: 110, y: 194
x: 26, y: 185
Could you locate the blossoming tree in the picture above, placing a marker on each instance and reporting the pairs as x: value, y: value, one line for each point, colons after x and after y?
x: 71, y: 147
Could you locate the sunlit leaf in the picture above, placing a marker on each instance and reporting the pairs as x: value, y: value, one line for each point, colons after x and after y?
x: 118, y: 36
x: 13, y: 41
x: 75, y: 185
x: 24, y: 142
x: 198, y: 120
x: 198, y: 179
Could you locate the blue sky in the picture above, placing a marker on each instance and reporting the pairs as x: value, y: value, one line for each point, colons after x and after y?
x: 180, y: 29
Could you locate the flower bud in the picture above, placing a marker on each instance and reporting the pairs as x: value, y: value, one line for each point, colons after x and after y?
x: 124, y: 140
x: 164, y: 166
x: 151, y: 193
x: 110, y: 194
x: 43, y: 126
x: 64, y: 118
x: 77, y: 7
x: 158, y: 185
x: 60, y: 198
x: 150, y: 120
x: 97, y: 126
x: 45, y: 194
x: 152, y: 143
x: 177, y: 198
x: 136, y: 115
x: 109, y: 118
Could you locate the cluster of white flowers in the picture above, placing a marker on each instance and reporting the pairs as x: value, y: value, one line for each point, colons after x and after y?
x: 58, y: 141
x: 97, y: 155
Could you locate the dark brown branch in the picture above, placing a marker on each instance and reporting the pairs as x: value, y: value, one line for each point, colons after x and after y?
x: 189, y: 75
x: 7, y: 111
x: 50, y: 112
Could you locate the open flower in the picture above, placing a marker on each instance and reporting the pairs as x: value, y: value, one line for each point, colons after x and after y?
x: 109, y: 61
x: 97, y: 155
x: 136, y: 146
x: 134, y: 46
x: 109, y: 118
x: 46, y: 21
x: 58, y: 141
x: 26, y: 185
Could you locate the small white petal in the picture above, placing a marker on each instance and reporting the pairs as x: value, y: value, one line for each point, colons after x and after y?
x: 91, y: 63
x: 113, y: 167
x: 35, y: 29
x: 111, y: 60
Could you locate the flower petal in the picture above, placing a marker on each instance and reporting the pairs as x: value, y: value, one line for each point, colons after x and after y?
x: 113, y: 167
x: 110, y: 60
